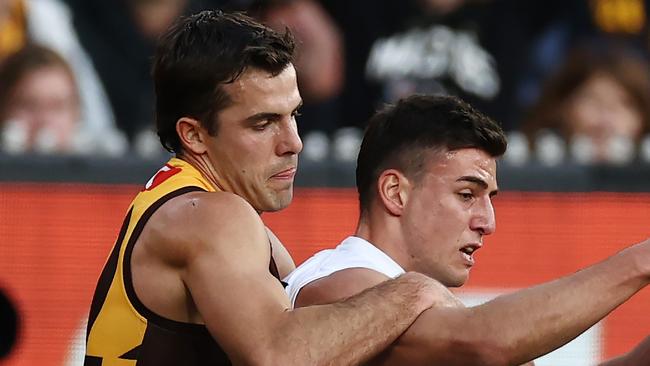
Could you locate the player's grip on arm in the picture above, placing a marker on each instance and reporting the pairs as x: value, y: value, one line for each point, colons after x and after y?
x: 247, y: 311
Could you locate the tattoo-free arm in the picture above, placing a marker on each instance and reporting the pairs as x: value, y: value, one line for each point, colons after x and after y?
x: 247, y: 311
x: 521, y: 326
x: 509, y: 330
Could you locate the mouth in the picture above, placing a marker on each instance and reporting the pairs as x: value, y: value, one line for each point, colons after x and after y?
x: 468, y: 251
x: 285, y: 174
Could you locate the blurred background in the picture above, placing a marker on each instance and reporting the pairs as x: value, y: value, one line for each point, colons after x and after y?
x: 568, y: 80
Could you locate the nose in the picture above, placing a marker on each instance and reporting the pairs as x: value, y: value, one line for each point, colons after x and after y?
x: 290, y: 142
x: 484, y: 221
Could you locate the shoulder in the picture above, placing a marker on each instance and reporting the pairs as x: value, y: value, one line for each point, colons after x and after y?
x: 338, y: 286
x: 219, y: 209
x: 196, y: 222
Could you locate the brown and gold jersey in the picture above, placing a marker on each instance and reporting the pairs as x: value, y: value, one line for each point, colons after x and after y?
x: 121, y: 330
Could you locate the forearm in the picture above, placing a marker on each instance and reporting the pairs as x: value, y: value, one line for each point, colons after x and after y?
x: 519, y: 327
x: 535, y: 321
x: 352, y: 331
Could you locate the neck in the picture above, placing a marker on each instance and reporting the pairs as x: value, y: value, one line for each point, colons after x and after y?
x: 385, y: 233
x: 205, y: 167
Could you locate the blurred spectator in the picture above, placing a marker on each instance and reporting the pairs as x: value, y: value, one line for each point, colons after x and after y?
x: 120, y: 36
x: 319, y: 59
x: 39, y: 102
x: 48, y: 23
x: 624, y: 22
x: 598, y: 102
x: 469, y: 48
x: 354, y: 55
x: 442, y: 54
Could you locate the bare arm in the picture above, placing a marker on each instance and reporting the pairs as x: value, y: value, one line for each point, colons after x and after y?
x: 515, y: 328
x: 639, y: 356
x: 225, y: 269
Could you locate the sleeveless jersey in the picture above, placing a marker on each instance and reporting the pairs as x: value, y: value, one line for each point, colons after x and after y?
x: 121, y: 330
x: 353, y: 252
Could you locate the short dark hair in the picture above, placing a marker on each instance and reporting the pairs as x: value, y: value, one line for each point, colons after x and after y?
x: 397, y: 135
x: 199, y: 54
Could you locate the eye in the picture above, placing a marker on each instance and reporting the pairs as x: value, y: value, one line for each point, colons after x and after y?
x: 466, y: 196
x: 262, y: 125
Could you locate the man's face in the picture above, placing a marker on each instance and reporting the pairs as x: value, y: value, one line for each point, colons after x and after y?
x: 448, y: 212
x: 255, y: 150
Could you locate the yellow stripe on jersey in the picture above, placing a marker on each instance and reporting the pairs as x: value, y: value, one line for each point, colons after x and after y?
x: 118, y: 322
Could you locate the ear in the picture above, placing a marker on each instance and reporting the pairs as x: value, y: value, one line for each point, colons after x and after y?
x: 191, y: 135
x: 392, y: 191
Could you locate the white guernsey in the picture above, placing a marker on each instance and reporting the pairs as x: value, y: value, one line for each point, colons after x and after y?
x: 353, y: 252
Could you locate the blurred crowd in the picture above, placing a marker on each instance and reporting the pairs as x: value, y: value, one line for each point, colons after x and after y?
x: 567, y: 79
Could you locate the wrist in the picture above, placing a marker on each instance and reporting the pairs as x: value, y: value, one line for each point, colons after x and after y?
x: 638, y: 259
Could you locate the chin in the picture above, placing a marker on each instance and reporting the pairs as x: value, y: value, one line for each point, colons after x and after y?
x: 279, y: 202
x: 456, y: 280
